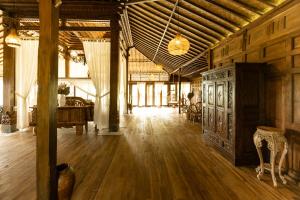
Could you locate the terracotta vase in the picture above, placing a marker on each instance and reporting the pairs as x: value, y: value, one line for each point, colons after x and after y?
x: 66, y: 181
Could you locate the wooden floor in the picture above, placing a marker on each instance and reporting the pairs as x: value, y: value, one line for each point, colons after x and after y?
x: 159, y: 156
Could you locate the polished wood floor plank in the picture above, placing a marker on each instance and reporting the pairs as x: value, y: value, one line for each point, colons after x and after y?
x: 159, y: 156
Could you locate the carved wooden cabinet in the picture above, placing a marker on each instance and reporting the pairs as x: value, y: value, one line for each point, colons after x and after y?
x: 232, y: 107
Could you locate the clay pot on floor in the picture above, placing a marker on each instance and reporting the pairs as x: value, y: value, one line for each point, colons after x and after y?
x: 66, y: 181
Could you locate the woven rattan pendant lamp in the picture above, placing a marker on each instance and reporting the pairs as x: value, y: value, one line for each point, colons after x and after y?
x: 12, y: 39
x: 179, y: 45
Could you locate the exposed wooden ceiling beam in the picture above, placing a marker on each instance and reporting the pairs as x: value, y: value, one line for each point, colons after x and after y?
x: 134, y: 2
x: 153, y: 36
x: 229, y: 10
x: 197, y: 71
x: 68, y: 28
x: 212, y: 16
x: 267, y: 3
x: 191, y: 61
x: 166, y: 28
x: 173, y: 27
x: 158, y: 25
x: 248, y: 7
x: 141, y: 48
x: 151, y: 51
x: 164, y: 51
x: 198, y: 28
x: 200, y: 18
x: 141, y: 23
x: 164, y: 54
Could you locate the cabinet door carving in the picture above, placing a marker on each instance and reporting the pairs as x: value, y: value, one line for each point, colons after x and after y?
x: 211, y: 94
x: 211, y: 119
x: 220, y: 94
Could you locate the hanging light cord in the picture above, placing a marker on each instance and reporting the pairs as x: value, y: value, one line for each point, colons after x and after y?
x: 167, y: 26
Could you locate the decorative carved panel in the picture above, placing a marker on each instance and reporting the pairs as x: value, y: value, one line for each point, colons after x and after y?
x: 211, y: 119
x: 204, y: 93
x: 221, y: 123
x: 211, y: 94
x: 230, y: 94
x: 230, y: 127
x: 220, y: 94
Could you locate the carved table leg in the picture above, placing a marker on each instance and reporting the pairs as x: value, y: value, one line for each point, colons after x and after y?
x: 258, y: 145
x: 284, y: 152
x: 273, y: 150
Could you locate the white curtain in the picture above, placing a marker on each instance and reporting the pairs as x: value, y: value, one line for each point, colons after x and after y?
x: 98, y: 61
x: 84, y: 87
x: 26, y: 75
x: 122, y: 84
x: 142, y: 93
x: 158, y: 90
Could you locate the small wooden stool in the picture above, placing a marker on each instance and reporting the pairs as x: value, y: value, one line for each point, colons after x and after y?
x: 274, y: 137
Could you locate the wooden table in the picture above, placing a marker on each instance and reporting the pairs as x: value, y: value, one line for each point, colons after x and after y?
x: 274, y: 137
x: 67, y: 116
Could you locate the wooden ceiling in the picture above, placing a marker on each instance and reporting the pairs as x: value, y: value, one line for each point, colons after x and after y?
x: 205, y: 23
x: 138, y: 63
x: 69, y: 38
x: 153, y: 23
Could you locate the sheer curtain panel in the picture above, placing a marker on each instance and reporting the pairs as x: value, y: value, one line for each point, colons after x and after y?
x: 26, y: 75
x: 122, y: 84
x: 98, y: 60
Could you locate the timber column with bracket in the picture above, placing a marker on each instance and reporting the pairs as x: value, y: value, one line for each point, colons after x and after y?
x: 9, y: 68
x: 114, y: 74
x: 46, y: 145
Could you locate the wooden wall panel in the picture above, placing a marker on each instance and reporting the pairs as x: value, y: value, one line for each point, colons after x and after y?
x: 296, y: 99
x: 296, y: 60
x: 275, y: 50
x: 296, y: 42
x: 253, y: 56
x: 274, y: 101
x: 275, y: 40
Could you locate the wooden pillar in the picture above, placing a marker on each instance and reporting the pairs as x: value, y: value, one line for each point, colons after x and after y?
x: 179, y: 88
x: 47, y: 101
x: 210, y: 59
x: 67, y: 65
x: 126, y: 82
x: 114, y: 71
x: 9, y: 69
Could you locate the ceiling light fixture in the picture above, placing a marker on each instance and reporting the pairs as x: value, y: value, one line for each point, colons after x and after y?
x: 12, y: 39
x: 179, y: 45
